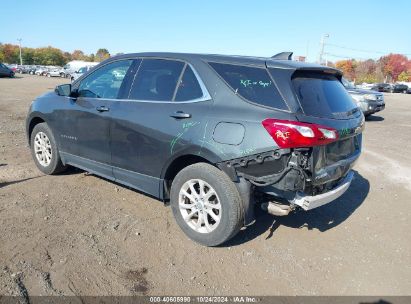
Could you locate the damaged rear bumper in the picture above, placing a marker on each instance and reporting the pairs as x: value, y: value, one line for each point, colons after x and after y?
x: 308, y: 202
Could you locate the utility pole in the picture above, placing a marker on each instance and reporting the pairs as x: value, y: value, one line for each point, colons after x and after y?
x: 21, y: 59
x: 322, y: 43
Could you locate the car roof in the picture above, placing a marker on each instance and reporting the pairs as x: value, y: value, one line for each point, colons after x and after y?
x: 233, y: 59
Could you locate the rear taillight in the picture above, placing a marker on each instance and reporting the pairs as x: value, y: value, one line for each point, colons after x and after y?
x: 293, y: 134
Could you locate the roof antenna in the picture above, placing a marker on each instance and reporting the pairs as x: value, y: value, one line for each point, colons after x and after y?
x: 283, y: 56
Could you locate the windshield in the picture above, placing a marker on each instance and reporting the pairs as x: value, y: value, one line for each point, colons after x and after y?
x: 347, y: 84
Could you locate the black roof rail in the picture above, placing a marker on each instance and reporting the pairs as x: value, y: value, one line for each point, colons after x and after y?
x: 283, y: 56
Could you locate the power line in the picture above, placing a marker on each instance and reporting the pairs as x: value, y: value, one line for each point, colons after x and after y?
x: 360, y: 50
x: 346, y: 57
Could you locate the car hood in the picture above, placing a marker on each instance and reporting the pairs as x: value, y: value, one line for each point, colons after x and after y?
x: 363, y: 92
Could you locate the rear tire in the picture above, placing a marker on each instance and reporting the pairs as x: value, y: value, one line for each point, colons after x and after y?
x: 44, y: 150
x: 216, y: 211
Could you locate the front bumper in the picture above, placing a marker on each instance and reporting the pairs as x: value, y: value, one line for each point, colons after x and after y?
x: 371, y: 108
x: 310, y: 202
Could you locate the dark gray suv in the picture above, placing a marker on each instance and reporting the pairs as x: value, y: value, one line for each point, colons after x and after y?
x: 205, y: 133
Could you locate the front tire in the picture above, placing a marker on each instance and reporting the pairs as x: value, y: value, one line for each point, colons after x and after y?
x: 206, y: 204
x: 44, y: 150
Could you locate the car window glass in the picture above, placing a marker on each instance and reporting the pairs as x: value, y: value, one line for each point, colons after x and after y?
x: 322, y: 95
x: 188, y: 87
x: 106, y: 81
x: 156, y: 79
x: 252, y: 83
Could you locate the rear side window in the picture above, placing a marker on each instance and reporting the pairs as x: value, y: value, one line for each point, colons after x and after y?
x: 188, y: 87
x: 156, y: 79
x: 322, y: 95
x: 253, y: 84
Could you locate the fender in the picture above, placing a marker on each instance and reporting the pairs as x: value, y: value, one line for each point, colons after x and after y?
x: 32, y: 116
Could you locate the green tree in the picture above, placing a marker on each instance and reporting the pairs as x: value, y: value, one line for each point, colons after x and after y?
x: 102, y: 54
x: 49, y: 56
x: 27, y: 55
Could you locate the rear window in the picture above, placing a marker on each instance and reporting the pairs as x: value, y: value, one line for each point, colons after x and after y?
x: 322, y: 95
x: 188, y: 87
x: 251, y: 83
x: 156, y: 80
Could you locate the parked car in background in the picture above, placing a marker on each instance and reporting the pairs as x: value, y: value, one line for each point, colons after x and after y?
x: 365, y: 86
x: 22, y: 69
x: 12, y: 67
x: 399, y: 88
x: 381, y: 87
x: 285, y: 130
x: 33, y: 69
x: 40, y: 71
x: 80, y: 72
x: 73, y: 66
x: 56, y: 72
x: 368, y: 101
x: 5, y: 71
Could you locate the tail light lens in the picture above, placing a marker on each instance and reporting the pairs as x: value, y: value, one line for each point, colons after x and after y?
x: 293, y: 134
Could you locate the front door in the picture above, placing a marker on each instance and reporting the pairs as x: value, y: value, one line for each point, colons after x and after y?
x: 85, y: 121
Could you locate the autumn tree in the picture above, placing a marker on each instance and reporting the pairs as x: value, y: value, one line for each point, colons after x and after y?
x: 365, y: 71
x: 78, y: 55
x: 394, y: 65
x: 347, y: 67
x: 102, y: 54
x: 10, y: 53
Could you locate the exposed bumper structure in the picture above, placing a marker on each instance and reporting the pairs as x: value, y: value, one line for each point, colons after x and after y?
x: 310, y: 202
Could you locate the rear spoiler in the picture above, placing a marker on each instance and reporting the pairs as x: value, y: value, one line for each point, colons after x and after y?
x: 320, y: 69
x: 283, y: 56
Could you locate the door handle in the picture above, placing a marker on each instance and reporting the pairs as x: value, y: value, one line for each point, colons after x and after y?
x: 102, y: 109
x: 180, y: 115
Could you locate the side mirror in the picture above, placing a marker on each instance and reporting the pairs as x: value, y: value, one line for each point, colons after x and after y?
x: 63, y: 90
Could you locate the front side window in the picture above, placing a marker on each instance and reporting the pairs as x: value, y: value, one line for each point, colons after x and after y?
x: 252, y: 83
x: 106, y: 81
x: 156, y: 79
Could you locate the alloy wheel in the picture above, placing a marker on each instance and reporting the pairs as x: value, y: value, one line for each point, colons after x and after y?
x: 42, y: 149
x: 200, y: 206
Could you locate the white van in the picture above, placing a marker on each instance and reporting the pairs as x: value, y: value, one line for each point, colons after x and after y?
x: 73, y: 66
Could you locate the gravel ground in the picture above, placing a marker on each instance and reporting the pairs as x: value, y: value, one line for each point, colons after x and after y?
x: 78, y: 234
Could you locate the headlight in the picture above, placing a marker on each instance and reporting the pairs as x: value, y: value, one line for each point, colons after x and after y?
x: 358, y: 98
x: 371, y: 97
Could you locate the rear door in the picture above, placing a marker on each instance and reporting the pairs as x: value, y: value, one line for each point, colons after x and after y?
x: 84, y: 122
x: 156, y: 120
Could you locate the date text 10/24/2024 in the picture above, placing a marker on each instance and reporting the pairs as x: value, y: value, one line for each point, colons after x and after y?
x: 205, y: 299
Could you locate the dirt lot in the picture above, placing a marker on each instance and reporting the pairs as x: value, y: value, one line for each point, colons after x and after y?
x: 80, y: 234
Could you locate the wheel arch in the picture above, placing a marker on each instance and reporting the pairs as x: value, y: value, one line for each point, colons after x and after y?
x: 32, y: 122
x: 178, y: 162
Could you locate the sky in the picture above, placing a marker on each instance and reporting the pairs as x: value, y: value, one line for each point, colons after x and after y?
x: 357, y: 29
